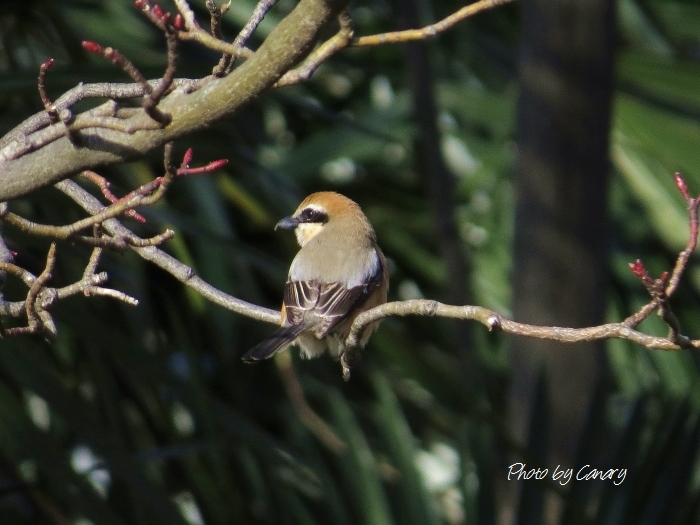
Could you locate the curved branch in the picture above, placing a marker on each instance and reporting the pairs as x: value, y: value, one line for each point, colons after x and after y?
x: 322, y: 53
x: 181, y: 272
x: 494, y: 321
x: 430, y: 31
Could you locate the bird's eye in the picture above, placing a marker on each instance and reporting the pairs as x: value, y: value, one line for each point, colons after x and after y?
x: 312, y: 215
x: 309, y: 214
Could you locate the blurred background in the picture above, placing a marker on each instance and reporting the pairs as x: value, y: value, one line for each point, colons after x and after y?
x: 518, y: 161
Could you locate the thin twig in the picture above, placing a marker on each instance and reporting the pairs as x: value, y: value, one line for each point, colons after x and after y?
x: 103, y: 184
x: 114, y: 294
x: 216, y: 14
x: 114, y: 91
x: 196, y: 33
x: 322, y: 53
x: 33, y: 321
x: 86, y: 283
x: 150, y: 101
x: 51, y: 110
x: 19, y: 272
x: 639, y: 316
x: 144, y: 196
x: 684, y: 256
x: 119, y: 60
x: 429, y: 31
x: 152, y: 96
x: 253, y: 22
x: 662, y: 289
x: 89, y: 284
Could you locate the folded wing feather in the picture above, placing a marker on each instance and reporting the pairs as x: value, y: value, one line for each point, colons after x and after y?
x: 328, y: 302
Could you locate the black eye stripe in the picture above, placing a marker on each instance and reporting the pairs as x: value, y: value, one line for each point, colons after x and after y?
x: 313, y: 215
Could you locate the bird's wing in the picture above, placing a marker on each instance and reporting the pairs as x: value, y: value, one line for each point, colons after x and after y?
x: 299, y: 298
x: 328, y: 302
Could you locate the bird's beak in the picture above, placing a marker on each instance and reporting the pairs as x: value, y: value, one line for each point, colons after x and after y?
x: 288, y: 223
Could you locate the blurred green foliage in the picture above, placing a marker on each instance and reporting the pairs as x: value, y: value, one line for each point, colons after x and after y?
x: 147, y: 415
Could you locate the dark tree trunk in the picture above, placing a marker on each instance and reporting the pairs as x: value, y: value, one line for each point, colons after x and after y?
x: 566, y: 65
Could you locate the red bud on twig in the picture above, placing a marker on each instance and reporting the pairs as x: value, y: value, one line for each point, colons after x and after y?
x: 681, y: 185
x: 187, y: 158
x: 637, y: 268
x: 212, y: 166
x: 91, y: 47
x: 158, y: 11
x: 215, y: 165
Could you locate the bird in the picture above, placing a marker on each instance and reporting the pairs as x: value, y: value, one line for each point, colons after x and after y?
x: 338, y: 273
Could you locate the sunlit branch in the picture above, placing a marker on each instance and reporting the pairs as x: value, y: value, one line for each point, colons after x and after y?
x: 495, y: 322
x: 322, y: 53
x: 430, y: 31
x: 145, y: 195
x: 659, y: 289
x: 253, y: 22
x: 180, y: 271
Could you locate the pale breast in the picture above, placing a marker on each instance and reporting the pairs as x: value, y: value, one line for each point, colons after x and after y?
x: 350, y: 267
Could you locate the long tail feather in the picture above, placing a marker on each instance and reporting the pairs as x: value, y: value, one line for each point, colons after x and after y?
x: 273, y: 344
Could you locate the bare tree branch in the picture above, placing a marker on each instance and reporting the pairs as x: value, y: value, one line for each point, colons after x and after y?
x: 40, y: 298
x: 181, y: 272
x: 494, y: 321
x: 113, y: 91
x: 216, y: 14
x: 431, y: 30
x: 42, y: 151
x: 288, y: 43
x: 322, y: 53
x: 258, y: 14
x: 659, y: 289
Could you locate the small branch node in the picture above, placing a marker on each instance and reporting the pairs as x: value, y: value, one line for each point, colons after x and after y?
x: 493, y: 322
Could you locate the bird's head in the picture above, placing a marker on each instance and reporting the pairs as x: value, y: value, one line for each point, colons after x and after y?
x: 320, y: 211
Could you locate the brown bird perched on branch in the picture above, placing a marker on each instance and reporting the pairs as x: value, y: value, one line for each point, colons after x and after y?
x: 338, y: 273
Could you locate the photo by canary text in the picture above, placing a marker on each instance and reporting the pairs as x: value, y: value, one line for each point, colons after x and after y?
x: 520, y: 472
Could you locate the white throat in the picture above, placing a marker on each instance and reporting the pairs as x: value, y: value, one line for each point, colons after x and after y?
x: 307, y: 231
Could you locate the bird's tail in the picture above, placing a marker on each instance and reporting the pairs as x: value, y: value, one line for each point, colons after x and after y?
x: 273, y: 344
